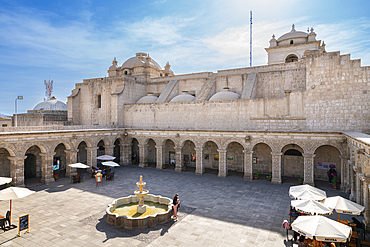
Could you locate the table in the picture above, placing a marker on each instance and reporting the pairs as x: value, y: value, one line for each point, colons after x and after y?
x: 1, y: 216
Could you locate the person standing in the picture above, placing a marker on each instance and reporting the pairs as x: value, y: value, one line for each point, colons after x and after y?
x: 176, y: 205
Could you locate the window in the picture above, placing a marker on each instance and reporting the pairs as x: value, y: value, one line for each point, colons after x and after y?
x: 98, y: 101
x: 291, y: 58
x: 293, y: 152
x: 291, y: 42
x: 126, y: 72
x: 4, y: 125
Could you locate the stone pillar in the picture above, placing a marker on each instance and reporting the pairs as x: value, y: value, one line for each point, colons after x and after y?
x: 47, y: 167
x: 248, y: 165
x: 357, y: 181
x: 17, y: 170
x: 344, y: 178
x: 143, y: 153
x: 308, y: 177
x: 276, y: 167
x: 126, y: 154
x: 178, y: 151
x: 222, y: 163
x: 91, y: 156
x: 366, y: 203
x: 109, y: 150
x: 351, y: 176
x: 199, y: 167
x: 71, y: 158
x: 160, y: 156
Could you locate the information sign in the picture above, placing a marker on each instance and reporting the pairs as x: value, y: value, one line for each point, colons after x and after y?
x: 24, y: 224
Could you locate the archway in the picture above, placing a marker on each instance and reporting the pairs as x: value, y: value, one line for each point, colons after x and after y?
x: 327, y: 157
x: 169, y: 154
x: 152, y: 153
x: 211, y: 158
x: 189, y: 156
x: 262, y: 160
x: 82, y: 153
x: 135, y: 152
x: 291, y: 58
x: 235, y: 160
x: 59, y: 161
x: 32, y: 165
x: 117, y: 151
x: 292, y: 163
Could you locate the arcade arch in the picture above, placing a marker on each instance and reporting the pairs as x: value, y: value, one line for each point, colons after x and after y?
x: 59, y: 160
x: 262, y: 159
x: 292, y: 161
x: 152, y: 153
x: 235, y: 159
x: 135, y: 151
x: 326, y: 156
x: 32, y: 164
x: 169, y: 154
x: 189, y: 156
x: 117, y: 151
x: 82, y: 153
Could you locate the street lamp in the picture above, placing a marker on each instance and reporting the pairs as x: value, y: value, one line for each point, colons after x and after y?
x: 20, y: 98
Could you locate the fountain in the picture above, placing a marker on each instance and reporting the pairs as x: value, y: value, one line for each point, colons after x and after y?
x: 140, y: 210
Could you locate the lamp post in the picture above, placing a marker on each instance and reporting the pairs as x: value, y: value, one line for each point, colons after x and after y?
x: 20, y: 98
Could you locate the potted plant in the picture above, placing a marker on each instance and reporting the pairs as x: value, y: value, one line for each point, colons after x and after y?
x: 184, y: 168
x: 256, y: 175
x: 334, y: 181
x: 56, y: 176
x: 300, y: 180
x: 269, y: 177
x: 147, y: 164
x: 164, y: 166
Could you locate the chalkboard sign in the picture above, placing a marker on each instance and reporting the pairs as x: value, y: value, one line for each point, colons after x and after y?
x: 23, y: 224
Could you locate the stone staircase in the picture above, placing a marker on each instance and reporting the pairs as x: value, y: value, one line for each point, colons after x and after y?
x: 249, y: 91
x: 167, y: 91
x: 208, y: 89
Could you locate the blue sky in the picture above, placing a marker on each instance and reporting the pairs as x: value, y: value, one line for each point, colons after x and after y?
x: 72, y: 40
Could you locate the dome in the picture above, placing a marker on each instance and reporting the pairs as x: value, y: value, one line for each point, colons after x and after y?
x: 184, y: 97
x: 147, y: 99
x: 224, y: 95
x: 139, y: 61
x: 51, y: 105
x: 293, y: 34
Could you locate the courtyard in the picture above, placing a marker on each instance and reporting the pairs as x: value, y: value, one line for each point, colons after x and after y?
x: 214, y: 211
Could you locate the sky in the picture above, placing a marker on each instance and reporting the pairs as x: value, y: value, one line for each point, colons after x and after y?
x: 70, y: 40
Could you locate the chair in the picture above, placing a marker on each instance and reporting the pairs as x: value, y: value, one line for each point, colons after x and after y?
x: 293, y: 214
x: 7, y: 217
x: 2, y: 223
x: 81, y: 178
x: 109, y: 176
x: 75, y: 179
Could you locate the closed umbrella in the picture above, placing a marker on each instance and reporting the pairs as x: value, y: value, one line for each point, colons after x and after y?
x: 105, y: 157
x: 306, y: 192
x: 343, y: 205
x: 311, y: 207
x: 12, y: 193
x: 322, y: 229
x: 5, y: 180
x: 110, y: 163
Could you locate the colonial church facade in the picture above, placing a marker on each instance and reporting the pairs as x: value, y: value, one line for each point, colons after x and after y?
x: 303, y: 112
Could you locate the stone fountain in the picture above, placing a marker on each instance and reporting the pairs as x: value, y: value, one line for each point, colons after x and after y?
x: 140, y: 210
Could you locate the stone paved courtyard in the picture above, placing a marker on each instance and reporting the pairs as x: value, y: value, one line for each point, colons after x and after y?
x: 214, y: 211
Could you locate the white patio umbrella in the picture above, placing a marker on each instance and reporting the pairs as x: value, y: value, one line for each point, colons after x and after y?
x: 322, y: 228
x: 306, y: 192
x: 12, y: 193
x: 79, y: 165
x: 105, y: 157
x: 343, y: 205
x: 5, y: 180
x: 311, y: 207
x: 110, y: 163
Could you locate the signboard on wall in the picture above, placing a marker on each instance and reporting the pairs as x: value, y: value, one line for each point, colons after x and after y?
x: 326, y: 165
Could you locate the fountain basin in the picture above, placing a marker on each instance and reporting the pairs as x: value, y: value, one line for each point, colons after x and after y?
x: 138, y: 222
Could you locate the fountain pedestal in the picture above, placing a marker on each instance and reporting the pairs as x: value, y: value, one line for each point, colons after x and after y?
x: 141, y: 208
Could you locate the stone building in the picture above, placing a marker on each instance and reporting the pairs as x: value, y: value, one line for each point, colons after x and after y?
x: 293, y: 118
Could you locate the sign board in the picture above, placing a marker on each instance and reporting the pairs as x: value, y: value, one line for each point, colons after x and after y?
x: 99, y: 178
x: 24, y: 224
x: 326, y: 165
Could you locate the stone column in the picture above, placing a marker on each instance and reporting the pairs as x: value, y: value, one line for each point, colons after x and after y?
x: 248, y: 165
x: 126, y: 154
x: 357, y: 181
x: 47, y: 167
x: 17, y: 170
x: 178, y: 151
x: 199, y: 167
x: 160, y: 156
x: 344, y: 178
x: 351, y: 176
x: 308, y: 177
x: 91, y: 156
x: 143, y: 153
x: 366, y: 203
x: 71, y: 158
x: 276, y: 167
x: 222, y: 163
x: 109, y: 150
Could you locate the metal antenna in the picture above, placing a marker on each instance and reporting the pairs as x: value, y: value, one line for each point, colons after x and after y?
x: 250, y: 45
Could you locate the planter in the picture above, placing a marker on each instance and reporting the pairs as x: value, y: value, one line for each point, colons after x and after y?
x: 255, y: 177
x: 269, y: 179
x: 163, y: 167
x: 335, y: 187
x: 184, y: 170
x: 56, y: 176
x: 300, y: 182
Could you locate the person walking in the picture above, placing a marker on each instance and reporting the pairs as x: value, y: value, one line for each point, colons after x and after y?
x: 176, y: 205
